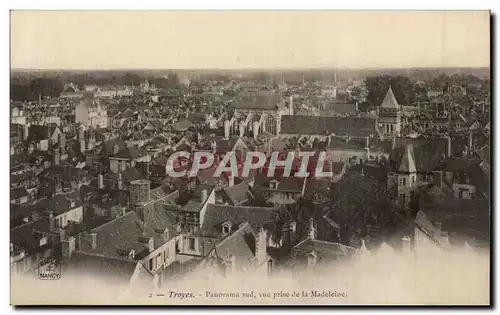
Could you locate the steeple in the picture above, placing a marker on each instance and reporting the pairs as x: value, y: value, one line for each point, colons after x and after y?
x: 390, y: 100
x: 408, y: 162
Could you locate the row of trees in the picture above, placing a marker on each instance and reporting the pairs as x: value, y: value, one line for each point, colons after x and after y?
x: 39, y: 87
x: 20, y: 90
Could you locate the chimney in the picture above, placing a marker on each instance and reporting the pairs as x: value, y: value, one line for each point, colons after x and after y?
x: 261, y: 246
x: 471, y: 143
x: 406, y: 244
x: 151, y: 244
x: 290, y: 106
x: 231, y: 180
x: 255, y: 129
x: 438, y: 225
x: 357, y: 106
x: 51, y: 221
x: 204, y: 195
x: 131, y: 254
x: 100, y: 181
x: 26, y: 131
x: 120, y: 181
x: 230, y: 264
x: 227, y: 127
x: 311, y: 230
x: 94, y: 240
x: 242, y: 128
x: 311, y: 260
x: 82, y: 146
x: 68, y: 246
x: 448, y: 138
x: 62, y: 143
x: 72, y: 204
x: 57, y: 157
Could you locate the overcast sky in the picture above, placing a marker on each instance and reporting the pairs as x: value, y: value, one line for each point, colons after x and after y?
x: 258, y: 39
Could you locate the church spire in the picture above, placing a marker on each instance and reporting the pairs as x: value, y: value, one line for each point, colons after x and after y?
x: 408, y: 162
x: 390, y: 100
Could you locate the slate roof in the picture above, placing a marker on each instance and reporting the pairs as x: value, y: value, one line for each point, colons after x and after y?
x: 320, y: 125
x: 217, y: 214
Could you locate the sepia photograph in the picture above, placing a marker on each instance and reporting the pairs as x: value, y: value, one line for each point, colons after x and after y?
x: 219, y: 158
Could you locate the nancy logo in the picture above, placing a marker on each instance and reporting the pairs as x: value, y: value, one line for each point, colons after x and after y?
x: 49, y: 269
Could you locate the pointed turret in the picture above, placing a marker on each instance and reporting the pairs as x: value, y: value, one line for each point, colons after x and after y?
x: 390, y: 100
x: 408, y: 162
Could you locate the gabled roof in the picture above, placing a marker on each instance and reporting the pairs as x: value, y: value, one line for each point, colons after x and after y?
x: 130, y: 153
x: 217, y: 214
x: 237, y: 194
x: 390, y: 100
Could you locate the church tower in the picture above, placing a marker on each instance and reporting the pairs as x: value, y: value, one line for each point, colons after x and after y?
x: 389, y: 117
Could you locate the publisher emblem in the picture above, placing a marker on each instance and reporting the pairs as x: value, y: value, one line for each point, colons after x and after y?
x: 49, y: 269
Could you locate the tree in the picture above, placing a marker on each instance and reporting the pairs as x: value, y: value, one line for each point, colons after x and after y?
x: 402, y: 88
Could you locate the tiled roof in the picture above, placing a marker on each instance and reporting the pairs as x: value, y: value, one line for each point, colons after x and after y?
x: 38, y: 133
x: 123, y: 232
x: 217, y: 214
x: 323, y: 249
x: 320, y: 125
x: 18, y: 192
x: 27, y: 236
x: 237, y: 193
x: 256, y: 102
x: 240, y: 244
x: 428, y: 153
x: 130, y: 153
x: 61, y: 203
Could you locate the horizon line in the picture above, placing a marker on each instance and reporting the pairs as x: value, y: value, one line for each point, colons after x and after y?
x: 257, y: 68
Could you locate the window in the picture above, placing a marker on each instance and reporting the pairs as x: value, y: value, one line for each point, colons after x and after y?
x: 269, y: 266
x: 158, y: 261
x: 151, y: 264
x: 191, y: 243
x: 402, y: 197
x: 225, y: 229
x: 413, y: 179
x: 165, y: 255
x: 403, y: 180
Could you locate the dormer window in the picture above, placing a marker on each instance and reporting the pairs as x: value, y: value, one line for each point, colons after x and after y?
x: 273, y: 184
x: 226, y: 228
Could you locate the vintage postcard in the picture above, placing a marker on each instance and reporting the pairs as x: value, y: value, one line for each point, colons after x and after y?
x: 250, y: 158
